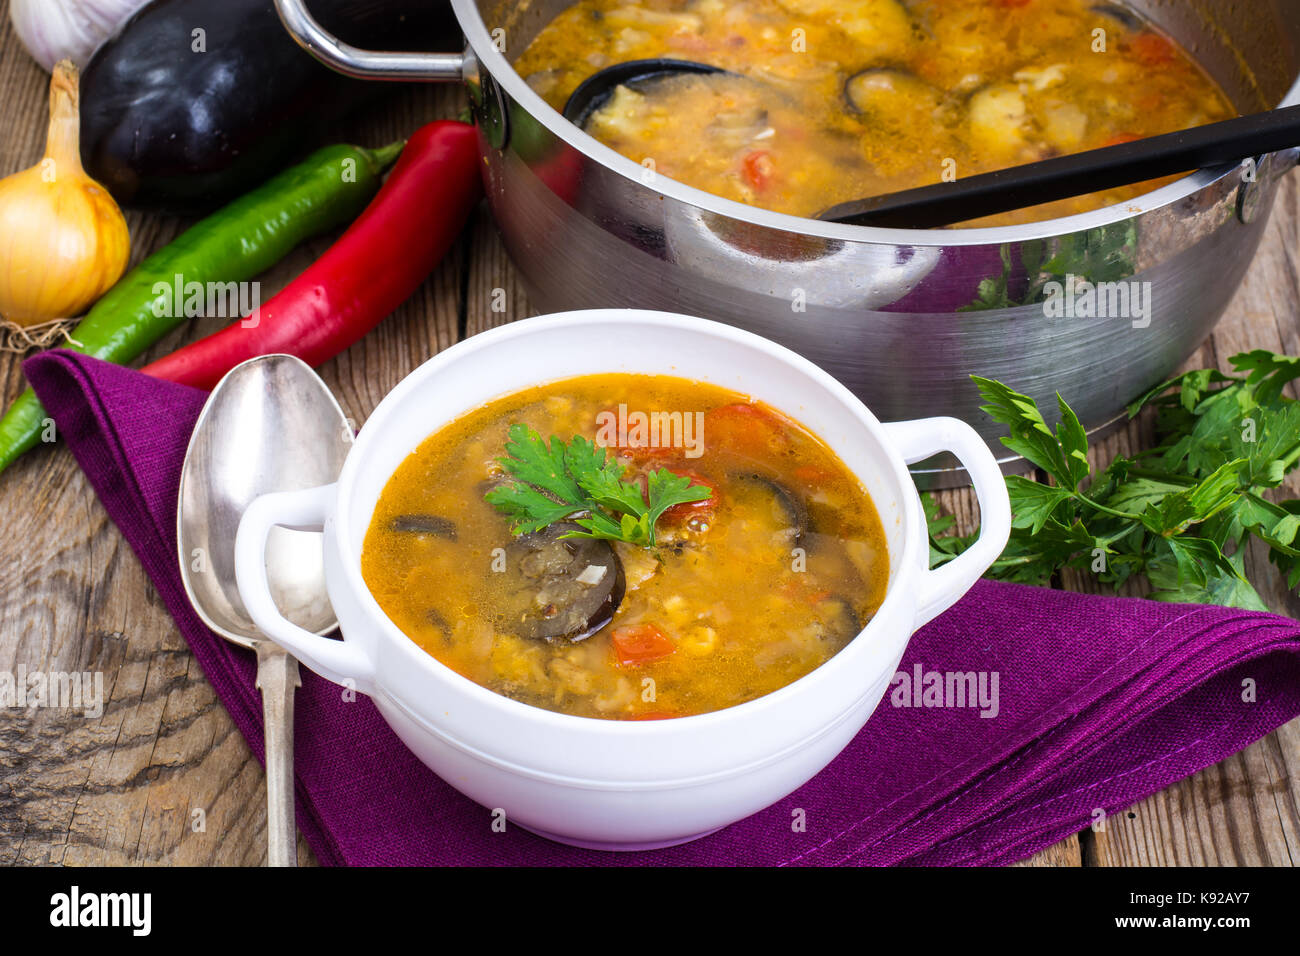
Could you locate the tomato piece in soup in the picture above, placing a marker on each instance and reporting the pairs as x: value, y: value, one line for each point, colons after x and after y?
x: 759, y: 169
x: 640, y: 644
x: 1151, y: 49
x: 705, y: 507
x: 744, y: 428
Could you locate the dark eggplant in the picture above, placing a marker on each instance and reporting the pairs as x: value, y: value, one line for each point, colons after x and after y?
x: 435, y: 618
x: 558, y: 589
x: 788, y: 511
x: 895, y: 99
x: 837, y: 619
x: 424, y: 524
x: 194, y: 102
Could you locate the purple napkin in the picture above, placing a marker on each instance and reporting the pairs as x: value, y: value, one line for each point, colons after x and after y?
x: 1080, y: 705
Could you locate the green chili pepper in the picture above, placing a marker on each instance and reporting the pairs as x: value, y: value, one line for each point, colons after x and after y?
x: 234, y: 244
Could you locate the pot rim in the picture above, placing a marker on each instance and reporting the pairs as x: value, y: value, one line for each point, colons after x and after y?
x: 874, y: 641
x: 483, y: 50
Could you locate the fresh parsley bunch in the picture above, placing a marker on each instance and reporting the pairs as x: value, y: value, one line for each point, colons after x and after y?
x: 1180, y: 513
x: 582, y: 481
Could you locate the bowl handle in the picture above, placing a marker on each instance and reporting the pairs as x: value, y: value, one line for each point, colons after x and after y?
x: 941, y: 588
x: 342, y: 662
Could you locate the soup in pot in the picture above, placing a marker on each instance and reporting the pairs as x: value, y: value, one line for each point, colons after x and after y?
x: 834, y: 100
x: 627, y: 547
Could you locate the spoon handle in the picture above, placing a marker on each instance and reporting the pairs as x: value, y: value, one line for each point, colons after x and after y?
x: 278, y: 677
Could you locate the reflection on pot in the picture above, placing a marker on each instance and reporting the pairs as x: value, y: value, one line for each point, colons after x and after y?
x: 805, y: 270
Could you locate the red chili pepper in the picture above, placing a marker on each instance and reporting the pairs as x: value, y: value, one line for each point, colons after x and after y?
x: 372, y: 269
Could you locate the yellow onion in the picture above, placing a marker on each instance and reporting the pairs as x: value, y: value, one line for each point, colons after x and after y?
x: 63, y: 240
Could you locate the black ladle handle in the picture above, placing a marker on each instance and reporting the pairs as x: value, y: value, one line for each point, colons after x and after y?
x: 1061, y: 177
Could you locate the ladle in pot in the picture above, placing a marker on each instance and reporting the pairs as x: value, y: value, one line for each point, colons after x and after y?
x: 593, y: 92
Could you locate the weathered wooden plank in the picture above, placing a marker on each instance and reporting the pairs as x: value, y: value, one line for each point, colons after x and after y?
x: 1065, y: 853
x: 1240, y: 812
x: 494, y: 295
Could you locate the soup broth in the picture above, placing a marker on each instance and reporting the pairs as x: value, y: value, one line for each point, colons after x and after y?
x: 842, y: 99
x: 773, y: 572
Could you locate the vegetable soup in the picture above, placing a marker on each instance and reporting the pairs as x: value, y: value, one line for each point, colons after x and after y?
x: 627, y: 547
x: 837, y: 100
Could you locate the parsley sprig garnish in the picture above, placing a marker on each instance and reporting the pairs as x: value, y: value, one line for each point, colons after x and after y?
x: 580, y: 481
x: 1181, y: 513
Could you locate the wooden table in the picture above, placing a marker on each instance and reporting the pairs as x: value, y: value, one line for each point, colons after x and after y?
x: 123, y: 788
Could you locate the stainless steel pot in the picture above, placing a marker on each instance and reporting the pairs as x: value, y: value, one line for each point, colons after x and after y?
x: 900, y: 316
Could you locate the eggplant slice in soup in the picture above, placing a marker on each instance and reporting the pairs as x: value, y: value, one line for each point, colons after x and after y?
x: 435, y: 619
x: 894, y: 98
x: 837, y: 619
x: 556, y: 588
x: 424, y: 524
x: 784, y: 508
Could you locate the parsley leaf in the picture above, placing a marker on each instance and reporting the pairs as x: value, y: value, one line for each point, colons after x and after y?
x: 1180, y: 514
x: 582, y: 481
x: 535, y: 463
x: 1032, y: 504
x: 1063, y: 455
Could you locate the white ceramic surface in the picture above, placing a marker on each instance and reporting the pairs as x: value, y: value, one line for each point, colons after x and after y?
x: 604, y: 783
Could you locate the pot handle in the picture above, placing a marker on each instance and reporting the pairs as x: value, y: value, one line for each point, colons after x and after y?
x: 340, y: 661
x: 363, y: 64
x: 917, y: 440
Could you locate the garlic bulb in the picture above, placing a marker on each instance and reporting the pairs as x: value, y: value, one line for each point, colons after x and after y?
x: 63, y: 240
x: 54, y: 30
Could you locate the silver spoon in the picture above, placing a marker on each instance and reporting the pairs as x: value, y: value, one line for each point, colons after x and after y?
x: 269, y: 425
